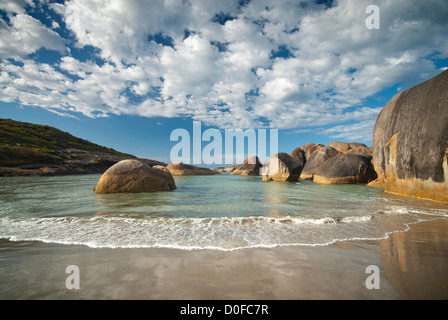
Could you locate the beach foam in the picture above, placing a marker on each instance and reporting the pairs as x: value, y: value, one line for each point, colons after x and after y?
x: 225, y: 233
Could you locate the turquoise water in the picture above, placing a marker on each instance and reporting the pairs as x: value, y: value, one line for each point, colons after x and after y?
x: 222, y: 212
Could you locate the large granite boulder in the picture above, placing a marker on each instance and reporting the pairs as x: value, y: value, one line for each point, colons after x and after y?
x: 133, y: 176
x: 282, y: 167
x: 316, y: 159
x: 183, y: 169
x: 309, y: 148
x: 166, y: 174
x: 410, y: 141
x: 345, y: 169
x: 299, y: 154
x: 342, y: 147
x: 352, y: 148
x: 362, y: 151
x: 250, y: 167
x: 355, y: 145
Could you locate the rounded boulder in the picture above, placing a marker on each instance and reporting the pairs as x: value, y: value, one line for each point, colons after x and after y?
x: 134, y: 176
x: 316, y: 159
x: 282, y: 167
x: 250, y: 167
x: 345, y: 169
x: 183, y: 169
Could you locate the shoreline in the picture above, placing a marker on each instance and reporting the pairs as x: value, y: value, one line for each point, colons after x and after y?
x: 413, y: 265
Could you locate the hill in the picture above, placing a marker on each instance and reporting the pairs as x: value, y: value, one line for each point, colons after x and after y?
x: 33, y: 149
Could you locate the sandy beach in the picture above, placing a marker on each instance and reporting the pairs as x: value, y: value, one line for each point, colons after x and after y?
x: 412, y: 264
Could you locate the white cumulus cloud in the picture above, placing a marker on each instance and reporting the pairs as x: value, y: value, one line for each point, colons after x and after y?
x: 281, y: 64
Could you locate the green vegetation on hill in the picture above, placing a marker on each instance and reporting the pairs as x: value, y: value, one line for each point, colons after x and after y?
x: 22, y: 143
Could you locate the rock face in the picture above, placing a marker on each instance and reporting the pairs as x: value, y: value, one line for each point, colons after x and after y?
x: 362, y: 151
x: 342, y: 147
x: 337, y: 163
x: 166, y: 174
x: 316, y: 159
x: 309, y: 148
x: 356, y: 145
x: 250, y: 167
x: 410, y: 141
x: 133, y: 176
x: 352, y: 148
x: 182, y: 169
x: 345, y: 169
x: 282, y: 167
x: 299, y: 154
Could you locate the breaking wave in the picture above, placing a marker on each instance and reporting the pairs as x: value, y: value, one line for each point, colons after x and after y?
x: 223, y: 233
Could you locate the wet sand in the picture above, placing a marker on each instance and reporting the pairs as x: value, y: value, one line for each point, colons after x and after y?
x: 412, y: 265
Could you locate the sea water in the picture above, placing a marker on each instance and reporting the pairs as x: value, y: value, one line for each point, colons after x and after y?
x: 222, y: 212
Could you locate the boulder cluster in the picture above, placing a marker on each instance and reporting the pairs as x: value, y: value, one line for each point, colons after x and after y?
x: 337, y: 163
x: 409, y: 154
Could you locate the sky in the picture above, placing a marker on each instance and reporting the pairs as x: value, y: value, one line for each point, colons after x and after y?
x: 127, y: 73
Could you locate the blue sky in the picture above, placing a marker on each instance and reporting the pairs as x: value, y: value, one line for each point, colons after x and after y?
x: 125, y: 74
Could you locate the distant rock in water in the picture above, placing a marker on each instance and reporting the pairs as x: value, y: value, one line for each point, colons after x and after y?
x: 282, y: 167
x: 250, y: 167
x: 231, y: 168
x: 316, y: 159
x: 134, y: 176
x: 345, y: 169
x: 410, y: 141
x: 182, y: 169
x: 151, y: 162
